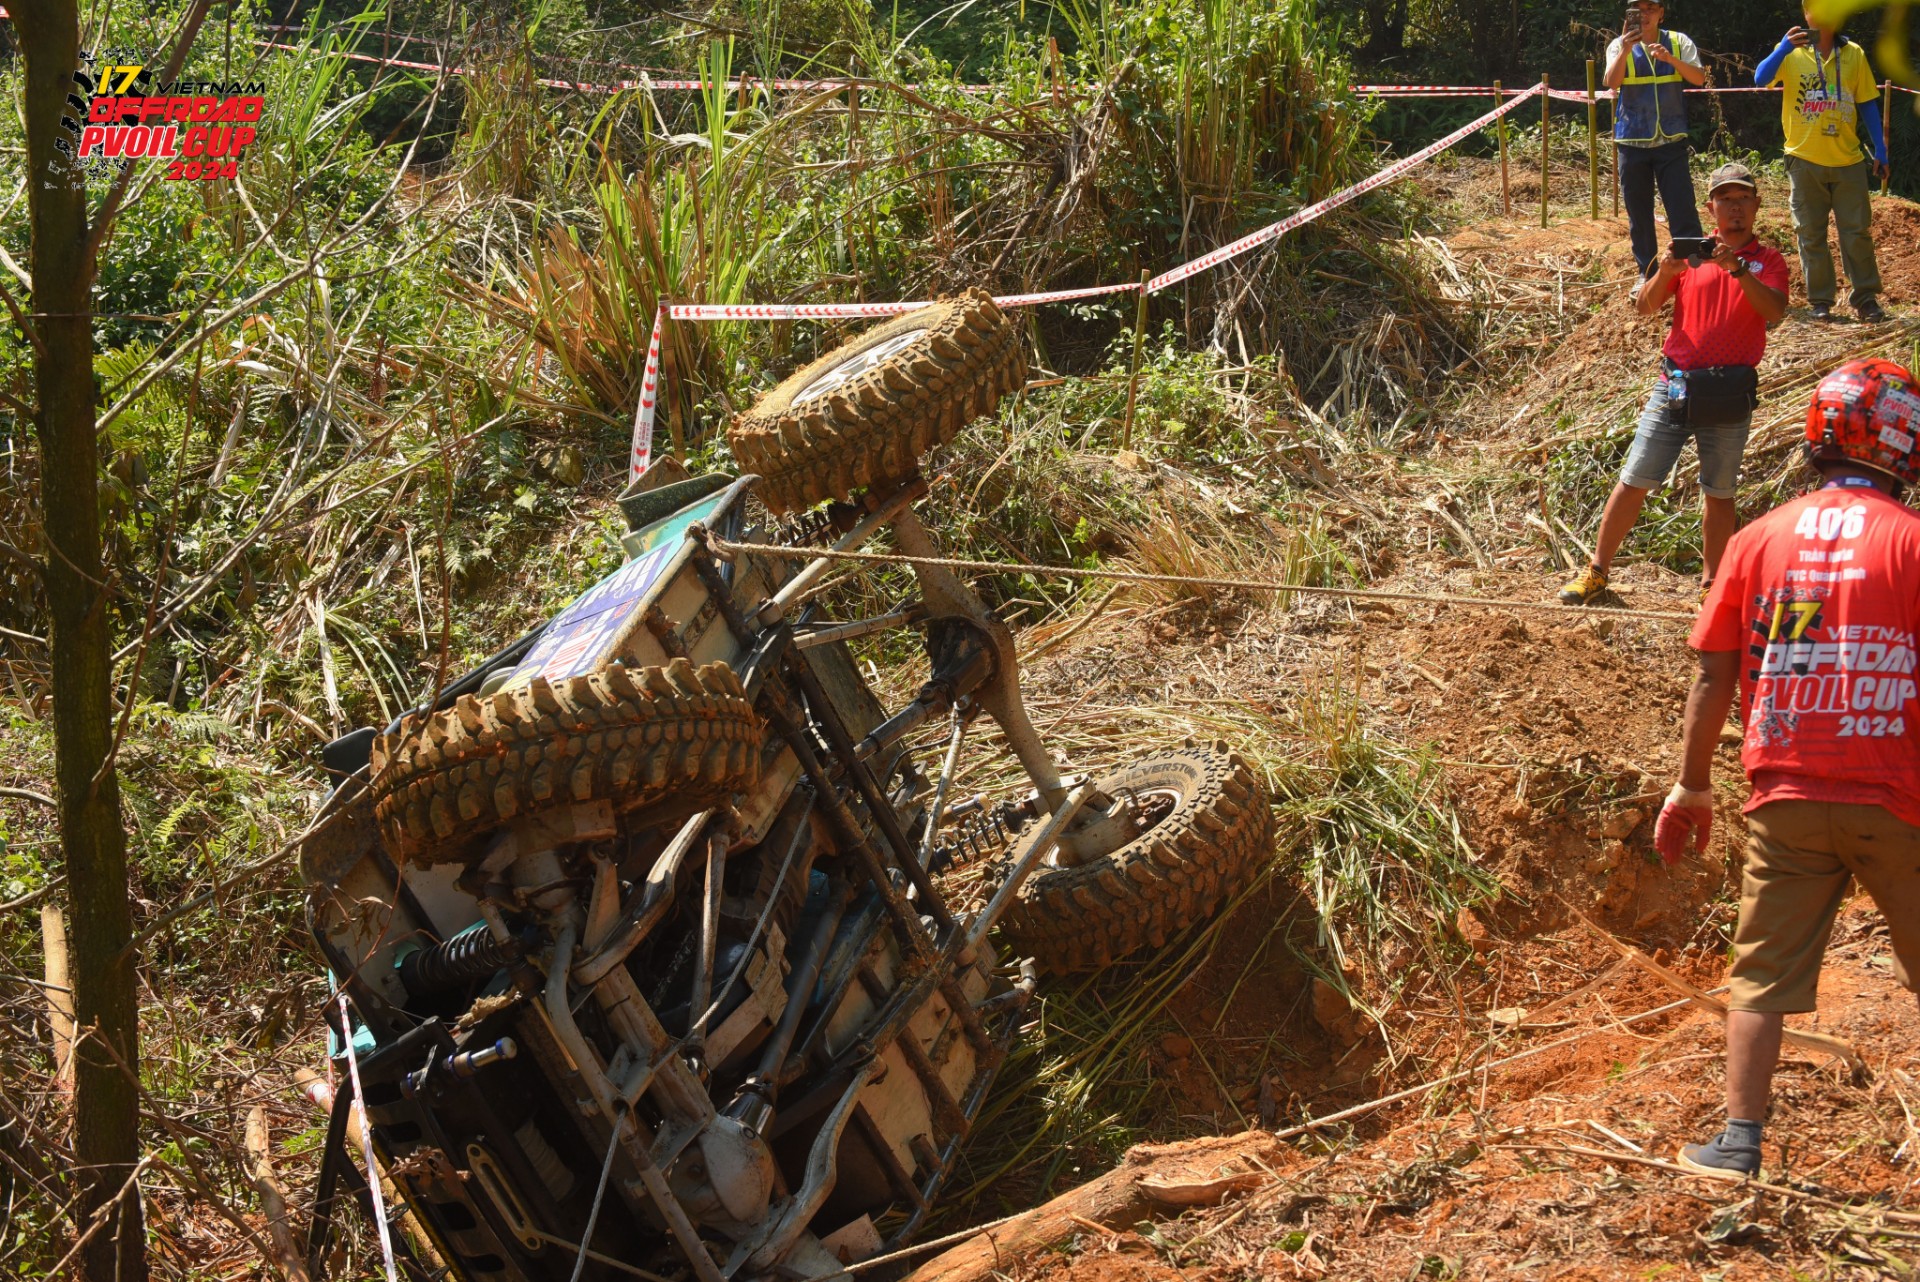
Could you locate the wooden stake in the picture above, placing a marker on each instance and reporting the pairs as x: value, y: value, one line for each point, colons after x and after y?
x: 671, y: 376
x: 1139, y: 345
x: 1886, y: 132
x: 1593, y: 144
x: 1611, y: 108
x: 53, y: 944
x: 1546, y: 105
x: 1506, y: 185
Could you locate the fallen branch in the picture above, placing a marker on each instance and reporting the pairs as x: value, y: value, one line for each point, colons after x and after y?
x: 273, y: 1198
x: 1166, y: 1177
x: 1834, y: 1046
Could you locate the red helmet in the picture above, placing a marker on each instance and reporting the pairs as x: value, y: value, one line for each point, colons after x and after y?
x: 1867, y: 413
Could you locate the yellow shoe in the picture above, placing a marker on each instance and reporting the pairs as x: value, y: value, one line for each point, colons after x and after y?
x: 1585, y: 587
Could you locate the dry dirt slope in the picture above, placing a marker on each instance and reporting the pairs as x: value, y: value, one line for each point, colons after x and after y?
x: 1557, y: 736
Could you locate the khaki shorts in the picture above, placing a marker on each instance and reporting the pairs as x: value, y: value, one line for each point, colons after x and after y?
x: 1801, y: 855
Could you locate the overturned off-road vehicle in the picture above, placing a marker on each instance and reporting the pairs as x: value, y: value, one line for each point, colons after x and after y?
x: 641, y: 924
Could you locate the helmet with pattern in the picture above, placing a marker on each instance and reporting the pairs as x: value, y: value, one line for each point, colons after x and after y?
x: 1867, y: 413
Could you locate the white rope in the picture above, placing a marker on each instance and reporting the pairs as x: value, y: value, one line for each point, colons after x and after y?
x: 599, y: 1194
x: 366, y: 1141
x: 1189, y: 580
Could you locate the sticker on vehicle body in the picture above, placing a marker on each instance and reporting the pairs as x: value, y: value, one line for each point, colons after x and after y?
x: 576, y: 642
x: 580, y: 639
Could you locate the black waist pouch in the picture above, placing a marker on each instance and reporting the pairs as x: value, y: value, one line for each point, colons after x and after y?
x: 1721, y: 395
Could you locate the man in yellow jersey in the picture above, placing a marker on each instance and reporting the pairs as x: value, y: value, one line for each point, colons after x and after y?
x: 1649, y: 69
x: 1827, y: 101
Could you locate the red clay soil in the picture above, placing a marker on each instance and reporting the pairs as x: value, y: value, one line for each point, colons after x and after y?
x: 1486, y: 1180
x: 1560, y: 735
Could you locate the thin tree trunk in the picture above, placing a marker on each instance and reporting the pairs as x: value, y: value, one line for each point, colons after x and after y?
x: 105, y: 1098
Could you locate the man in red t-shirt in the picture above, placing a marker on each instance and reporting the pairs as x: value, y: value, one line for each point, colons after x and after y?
x: 1721, y: 310
x: 1815, y: 615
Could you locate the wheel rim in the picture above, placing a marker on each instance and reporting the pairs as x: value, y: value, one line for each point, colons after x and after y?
x: 1153, y: 807
x: 854, y: 366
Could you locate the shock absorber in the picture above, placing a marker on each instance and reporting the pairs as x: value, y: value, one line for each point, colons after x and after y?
x: 471, y: 955
x: 979, y: 836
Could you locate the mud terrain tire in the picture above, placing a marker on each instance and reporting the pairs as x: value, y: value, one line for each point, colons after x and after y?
x: 926, y: 375
x: 638, y: 737
x: 1216, y: 837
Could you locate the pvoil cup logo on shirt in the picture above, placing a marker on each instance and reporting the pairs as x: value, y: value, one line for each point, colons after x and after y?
x: 1824, y: 105
x: 1864, y: 674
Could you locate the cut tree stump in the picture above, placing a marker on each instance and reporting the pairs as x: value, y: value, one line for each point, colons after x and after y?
x: 1153, y: 1179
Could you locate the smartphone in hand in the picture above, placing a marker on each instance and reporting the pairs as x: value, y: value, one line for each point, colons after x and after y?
x: 1691, y: 247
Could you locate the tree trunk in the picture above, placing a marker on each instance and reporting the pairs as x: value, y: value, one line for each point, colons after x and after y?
x: 105, y: 1096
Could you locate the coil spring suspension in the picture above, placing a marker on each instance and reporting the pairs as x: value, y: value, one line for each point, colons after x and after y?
x: 470, y: 955
x: 809, y: 529
x: 980, y: 836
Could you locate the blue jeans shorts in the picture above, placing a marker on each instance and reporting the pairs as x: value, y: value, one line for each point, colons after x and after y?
x: 1657, y: 442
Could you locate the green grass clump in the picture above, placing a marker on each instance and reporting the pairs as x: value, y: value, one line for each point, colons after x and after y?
x: 1382, y: 855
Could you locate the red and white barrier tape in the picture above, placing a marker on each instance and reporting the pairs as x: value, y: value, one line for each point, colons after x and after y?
x: 643, y: 414
x: 1564, y: 95
x: 731, y: 85
x: 842, y: 311
x: 1275, y: 230
x: 734, y: 84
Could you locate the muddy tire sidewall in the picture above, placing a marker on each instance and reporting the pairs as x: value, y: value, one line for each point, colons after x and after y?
x: 960, y: 357
x: 1217, y: 838
x: 655, y: 742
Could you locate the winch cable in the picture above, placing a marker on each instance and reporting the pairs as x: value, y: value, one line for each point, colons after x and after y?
x: 599, y: 1193
x: 1186, y: 580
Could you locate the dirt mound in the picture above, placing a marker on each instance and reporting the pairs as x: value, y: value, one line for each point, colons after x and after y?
x: 1557, y: 1162
x: 1896, y: 242
x: 1560, y: 736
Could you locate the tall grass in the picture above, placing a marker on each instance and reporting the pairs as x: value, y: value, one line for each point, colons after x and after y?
x: 1383, y: 857
x: 1227, y: 110
x: 693, y: 221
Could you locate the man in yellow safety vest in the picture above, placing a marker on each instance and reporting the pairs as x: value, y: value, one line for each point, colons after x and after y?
x: 1649, y: 69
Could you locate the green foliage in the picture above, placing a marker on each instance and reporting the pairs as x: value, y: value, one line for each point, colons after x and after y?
x: 1231, y: 114
x: 1386, y: 865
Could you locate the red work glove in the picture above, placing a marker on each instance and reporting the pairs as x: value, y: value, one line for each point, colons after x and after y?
x: 1686, y: 812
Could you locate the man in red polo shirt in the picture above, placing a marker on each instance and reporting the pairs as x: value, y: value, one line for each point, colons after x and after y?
x: 1721, y: 310
x: 1815, y: 616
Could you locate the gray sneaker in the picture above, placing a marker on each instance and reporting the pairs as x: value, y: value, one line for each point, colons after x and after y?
x: 1871, y: 312
x: 1822, y: 311
x: 1722, y: 1160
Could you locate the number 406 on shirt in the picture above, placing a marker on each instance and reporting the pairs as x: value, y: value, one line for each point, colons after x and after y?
x: 1832, y: 522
